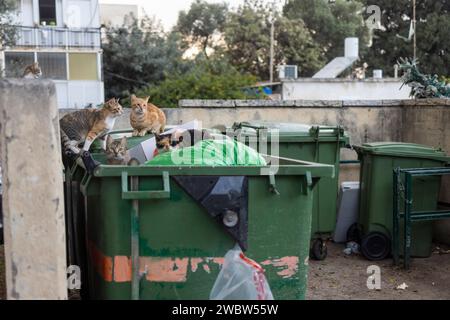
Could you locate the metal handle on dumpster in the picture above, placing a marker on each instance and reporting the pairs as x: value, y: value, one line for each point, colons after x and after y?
x: 247, y: 125
x: 336, y: 130
x: 272, y: 185
x: 142, y: 195
x: 84, y: 183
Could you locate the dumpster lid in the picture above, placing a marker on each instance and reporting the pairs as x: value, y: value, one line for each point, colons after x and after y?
x: 292, y: 131
x: 402, y: 149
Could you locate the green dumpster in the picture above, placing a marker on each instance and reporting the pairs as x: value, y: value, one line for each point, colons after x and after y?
x: 320, y: 144
x: 378, y: 160
x: 150, y: 232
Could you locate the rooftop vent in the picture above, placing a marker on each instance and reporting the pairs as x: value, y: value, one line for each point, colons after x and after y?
x: 338, y: 65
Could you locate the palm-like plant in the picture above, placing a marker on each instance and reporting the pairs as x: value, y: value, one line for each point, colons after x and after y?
x: 422, y: 85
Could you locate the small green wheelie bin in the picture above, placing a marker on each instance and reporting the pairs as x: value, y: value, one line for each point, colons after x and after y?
x: 304, y: 142
x: 378, y: 160
x: 161, y: 232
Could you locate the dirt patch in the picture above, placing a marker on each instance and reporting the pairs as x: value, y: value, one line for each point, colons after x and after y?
x: 345, y: 277
x: 2, y: 274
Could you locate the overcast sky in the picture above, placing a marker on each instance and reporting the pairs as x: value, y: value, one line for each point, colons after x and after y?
x: 167, y: 10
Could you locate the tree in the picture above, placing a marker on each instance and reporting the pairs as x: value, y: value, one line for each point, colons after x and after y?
x: 138, y: 54
x: 7, y: 30
x: 208, y: 79
x: 201, y: 23
x: 432, y: 31
x: 247, y: 36
x: 330, y: 23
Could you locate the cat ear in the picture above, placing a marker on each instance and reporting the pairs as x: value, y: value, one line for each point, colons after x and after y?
x: 123, y: 142
x: 109, y: 140
x: 147, y: 98
x: 117, y: 100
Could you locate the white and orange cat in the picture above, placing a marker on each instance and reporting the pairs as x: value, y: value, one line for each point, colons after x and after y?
x: 32, y: 71
x: 146, y: 117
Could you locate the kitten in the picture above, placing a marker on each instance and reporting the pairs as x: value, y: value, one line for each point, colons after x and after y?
x: 163, y: 144
x: 180, y: 139
x: 188, y: 138
x: 146, y: 117
x: 116, y: 151
x: 32, y: 71
x: 86, y: 125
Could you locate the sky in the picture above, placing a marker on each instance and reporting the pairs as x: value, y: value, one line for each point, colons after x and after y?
x: 167, y: 10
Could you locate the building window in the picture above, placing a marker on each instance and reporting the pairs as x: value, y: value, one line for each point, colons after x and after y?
x: 83, y: 66
x: 47, y: 12
x: 53, y: 65
x: 16, y: 62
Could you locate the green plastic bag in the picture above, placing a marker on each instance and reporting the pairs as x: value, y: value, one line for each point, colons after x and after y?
x: 217, y: 152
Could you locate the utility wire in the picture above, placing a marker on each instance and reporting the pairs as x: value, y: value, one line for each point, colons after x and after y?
x: 124, y: 78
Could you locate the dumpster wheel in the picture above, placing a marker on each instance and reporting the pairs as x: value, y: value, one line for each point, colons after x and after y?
x: 376, y: 246
x: 318, y: 250
x: 354, y: 233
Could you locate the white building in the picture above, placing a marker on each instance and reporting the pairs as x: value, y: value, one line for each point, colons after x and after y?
x: 114, y: 14
x: 343, y: 89
x: 325, y: 84
x: 64, y: 37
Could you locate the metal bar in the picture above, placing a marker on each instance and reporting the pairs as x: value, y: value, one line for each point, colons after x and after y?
x: 407, y: 220
x: 430, y: 215
x: 294, y: 168
x: 317, y: 136
x: 395, y: 217
x: 430, y: 173
x: 427, y: 171
x: 349, y: 162
x: 135, y: 242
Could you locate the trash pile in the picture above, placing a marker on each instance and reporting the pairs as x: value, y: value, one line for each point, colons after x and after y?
x: 221, y: 152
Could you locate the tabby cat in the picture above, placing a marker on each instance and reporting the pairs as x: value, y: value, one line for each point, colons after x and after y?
x: 146, y: 117
x: 32, y: 71
x: 116, y: 151
x: 86, y: 125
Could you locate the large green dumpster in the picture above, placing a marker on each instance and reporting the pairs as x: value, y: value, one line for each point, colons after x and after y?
x: 149, y: 235
x: 378, y: 160
x: 320, y: 144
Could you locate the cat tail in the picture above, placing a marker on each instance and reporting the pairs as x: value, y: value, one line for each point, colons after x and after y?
x: 68, y: 145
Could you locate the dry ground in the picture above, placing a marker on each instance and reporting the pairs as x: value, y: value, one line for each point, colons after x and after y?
x: 345, y: 277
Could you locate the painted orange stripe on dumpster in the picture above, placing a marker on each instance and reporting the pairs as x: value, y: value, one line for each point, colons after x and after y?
x: 174, y: 270
x: 289, y: 266
x: 165, y: 269
x: 122, y: 269
x: 102, y: 264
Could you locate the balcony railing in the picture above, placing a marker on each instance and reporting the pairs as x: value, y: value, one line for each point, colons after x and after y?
x: 54, y: 37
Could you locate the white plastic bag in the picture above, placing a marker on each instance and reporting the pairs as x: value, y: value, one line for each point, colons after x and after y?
x: 240, y: 279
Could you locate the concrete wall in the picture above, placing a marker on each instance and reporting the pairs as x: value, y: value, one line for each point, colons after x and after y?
x: 33, y: 199
x: 345, y: 89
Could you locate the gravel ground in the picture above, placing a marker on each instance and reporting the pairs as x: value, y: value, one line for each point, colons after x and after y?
x: 345, y: 277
